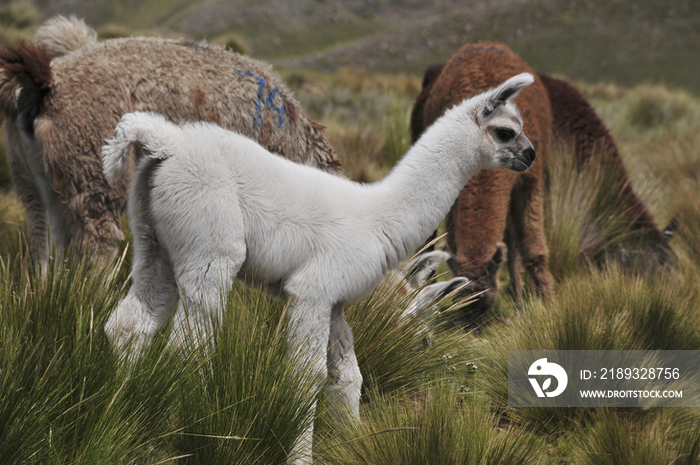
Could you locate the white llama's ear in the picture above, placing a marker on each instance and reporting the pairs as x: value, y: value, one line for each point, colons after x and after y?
x: 505, y: 92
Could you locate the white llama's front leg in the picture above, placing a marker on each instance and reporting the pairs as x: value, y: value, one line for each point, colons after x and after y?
x: 343, y: 392
x: 309, y: 329
x: 153, y: 294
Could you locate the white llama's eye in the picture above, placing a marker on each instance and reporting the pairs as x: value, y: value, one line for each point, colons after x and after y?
x: 504, y: 134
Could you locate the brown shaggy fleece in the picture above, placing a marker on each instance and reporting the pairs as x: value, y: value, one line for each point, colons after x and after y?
x: 417, y: 124
x: 86, y: 93
x: 496, y: 205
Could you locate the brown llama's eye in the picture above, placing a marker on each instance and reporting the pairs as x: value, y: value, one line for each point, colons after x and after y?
x: 504, y: 134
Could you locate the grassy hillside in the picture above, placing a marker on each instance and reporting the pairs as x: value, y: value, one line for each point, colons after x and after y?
x: 626, y: 42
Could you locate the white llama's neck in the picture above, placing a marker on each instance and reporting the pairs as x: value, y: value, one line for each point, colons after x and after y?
x: 419, y: 192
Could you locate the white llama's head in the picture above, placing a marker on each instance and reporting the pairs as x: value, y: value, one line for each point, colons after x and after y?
x: 500, y: 123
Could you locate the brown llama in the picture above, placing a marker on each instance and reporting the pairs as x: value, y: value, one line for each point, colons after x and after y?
x: 63, y: 96
x: 497, y: 205
x: 576, y: 123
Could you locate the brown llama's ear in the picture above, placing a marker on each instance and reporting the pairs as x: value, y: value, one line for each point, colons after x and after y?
x: 505, y: 92
x: 494, y: 263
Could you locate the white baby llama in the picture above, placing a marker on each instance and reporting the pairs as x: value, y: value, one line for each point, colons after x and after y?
x: 207, y: 205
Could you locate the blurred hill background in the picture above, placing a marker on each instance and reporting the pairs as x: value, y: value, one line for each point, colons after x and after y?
x: 626, y: 42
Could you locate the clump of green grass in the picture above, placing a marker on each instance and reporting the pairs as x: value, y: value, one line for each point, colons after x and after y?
x: 596, y: 310
x: 359, y: 80
x: 247, y: 404
x: 644, y: 119
x: 397, y: 139
x: 64, y: 398
x: 112, y: 31
x: 234, y: 42
x: 359, y: 151
x: 609, y: 439
x: 17, y: 20
x: 368, y: 152
x: 390, y: 347
x: 584, y: 221
x: 18, y: 14
x: 655, y: 106
x: 367, y: 116
x: 441, y: 425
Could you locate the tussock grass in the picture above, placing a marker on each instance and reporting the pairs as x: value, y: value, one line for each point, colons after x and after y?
x: 656, y: 130
x: 584, y: 222
x: 113, y: 31
x: 17, y: 19
x: 246, y: 404
x: 64, y: 398
x: 359, y: 80
x: 599, y: 309
x: 368, y: 152
x: 612, y: 440
x: 655, y: 106
x: 234, y: 42
x: 397, y: 139
x: 390, y: 348
x: 442, y: 425
x: 366, y: 116
x: 359, y: 151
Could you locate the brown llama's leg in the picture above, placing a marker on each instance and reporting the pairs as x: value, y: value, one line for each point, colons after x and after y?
x: 513, y: 246
x: 528, y: 220
x: 30, y: 198
x: 90, y: 209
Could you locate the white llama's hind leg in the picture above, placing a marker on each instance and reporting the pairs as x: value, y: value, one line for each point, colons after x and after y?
x: 343, y: 392
x: 148, y: 305
x: 204, y: 288
x: 200, y: 223
x: 309, y: 330
x: 153, y: 294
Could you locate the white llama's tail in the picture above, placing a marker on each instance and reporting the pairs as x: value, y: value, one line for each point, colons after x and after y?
x: 61, y: 35
x: 157, y: 136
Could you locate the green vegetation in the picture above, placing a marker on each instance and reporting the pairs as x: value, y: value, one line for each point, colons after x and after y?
x: 64, y: 398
